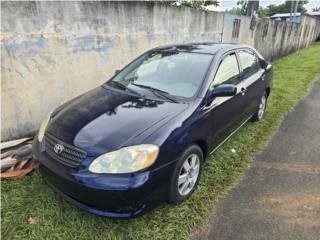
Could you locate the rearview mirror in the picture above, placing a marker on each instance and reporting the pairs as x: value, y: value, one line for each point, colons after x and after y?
x: 223, y: 90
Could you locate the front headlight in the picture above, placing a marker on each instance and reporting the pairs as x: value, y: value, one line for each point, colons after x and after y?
x: 126, y: 160
x: 43, y: 127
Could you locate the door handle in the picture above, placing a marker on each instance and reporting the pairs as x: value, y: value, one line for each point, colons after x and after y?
x: 243, y: 91
x: 262, y: 77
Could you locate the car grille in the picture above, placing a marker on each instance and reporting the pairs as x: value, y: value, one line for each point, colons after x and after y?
x: 69, y: 156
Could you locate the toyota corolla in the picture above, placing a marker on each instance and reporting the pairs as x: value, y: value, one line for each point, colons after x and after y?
x: 143, y: 136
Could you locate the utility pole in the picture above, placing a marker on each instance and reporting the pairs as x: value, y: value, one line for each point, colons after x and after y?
x: 295, y: 10
x: 291, y: 10
x: 252, y: 8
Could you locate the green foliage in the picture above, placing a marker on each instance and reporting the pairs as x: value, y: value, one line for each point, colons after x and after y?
x: 262, y: 12
x: 199, y: 4
x: 236, y: 11
x: 284, y: 8
x: 56, y: 219
x: 316, y: 9
x: 243, y: 5
x: 241, y: 9
x: 270, y: 10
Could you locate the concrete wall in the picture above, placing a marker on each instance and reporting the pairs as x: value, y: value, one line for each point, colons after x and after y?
x: 246, y: 35
x: 53, y: 51
x: 273, y: 38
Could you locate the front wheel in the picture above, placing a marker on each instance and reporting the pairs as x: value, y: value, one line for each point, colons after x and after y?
x: 261, y: 109
x: 186, y: 175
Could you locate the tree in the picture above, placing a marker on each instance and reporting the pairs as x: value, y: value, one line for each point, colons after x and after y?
x: 246, y: 7
x: 316, y: 9
x: 262, y: 12
x: 285, y: 8
x: 241, y: 8
x: 270, y: 10
x: 235, y: 11
x: 200, y: 4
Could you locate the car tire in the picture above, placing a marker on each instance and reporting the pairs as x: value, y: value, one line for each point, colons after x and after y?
x: 258, y: 115
x: 186, y: 175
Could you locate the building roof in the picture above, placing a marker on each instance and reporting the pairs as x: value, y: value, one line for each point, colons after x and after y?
x: 281, y: 15
x: 313, y: 13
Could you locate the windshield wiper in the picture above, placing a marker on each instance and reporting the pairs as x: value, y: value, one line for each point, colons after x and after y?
x: 156, y: 91
x: 125, y: 88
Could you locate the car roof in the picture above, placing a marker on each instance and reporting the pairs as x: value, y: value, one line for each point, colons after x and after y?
x: 208, y: 48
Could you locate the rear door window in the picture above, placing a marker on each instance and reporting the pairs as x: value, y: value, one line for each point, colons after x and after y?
x: 249, y: 62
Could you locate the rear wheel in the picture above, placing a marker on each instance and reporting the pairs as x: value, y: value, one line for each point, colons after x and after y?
x: 261, y: 109
x: 186, y: 175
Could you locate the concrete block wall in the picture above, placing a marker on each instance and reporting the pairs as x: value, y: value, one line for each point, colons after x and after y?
x: 275, y: 39
x: 54, y: 51
x: 272, y: 38
x: 246, y: 35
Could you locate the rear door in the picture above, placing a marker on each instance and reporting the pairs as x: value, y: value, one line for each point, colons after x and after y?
x: 252, y: 78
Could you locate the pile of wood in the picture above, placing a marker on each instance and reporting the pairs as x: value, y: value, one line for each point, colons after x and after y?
x: 16, y: 158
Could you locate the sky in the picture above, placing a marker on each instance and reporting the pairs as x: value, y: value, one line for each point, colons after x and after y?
x: 227, y: 4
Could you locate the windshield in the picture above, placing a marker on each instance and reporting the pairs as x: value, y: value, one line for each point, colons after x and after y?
x: 173, y: 73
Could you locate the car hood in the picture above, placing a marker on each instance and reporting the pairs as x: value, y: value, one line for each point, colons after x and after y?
x: 104, y: 119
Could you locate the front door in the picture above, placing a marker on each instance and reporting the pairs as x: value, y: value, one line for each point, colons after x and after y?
x: 226, y: 113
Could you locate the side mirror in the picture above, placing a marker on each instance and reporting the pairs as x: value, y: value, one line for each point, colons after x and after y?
x: 116, y: 71
x: 263, y: 64
x: 223, y: 90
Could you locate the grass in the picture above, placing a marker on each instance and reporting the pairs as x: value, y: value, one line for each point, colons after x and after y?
x: 56, y: 219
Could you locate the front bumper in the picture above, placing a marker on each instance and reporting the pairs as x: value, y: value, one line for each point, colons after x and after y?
x: 107, y: 195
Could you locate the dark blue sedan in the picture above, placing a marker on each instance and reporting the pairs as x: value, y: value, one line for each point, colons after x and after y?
x: 143, y: 136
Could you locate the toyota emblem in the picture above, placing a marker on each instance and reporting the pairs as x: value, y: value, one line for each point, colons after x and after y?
x: 58, y: 148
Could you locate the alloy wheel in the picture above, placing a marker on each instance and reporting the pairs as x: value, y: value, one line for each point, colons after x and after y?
x: 262, y: 107
x: 189, y: 174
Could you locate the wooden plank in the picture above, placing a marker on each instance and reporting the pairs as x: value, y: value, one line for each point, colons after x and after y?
x: 13, y: 143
